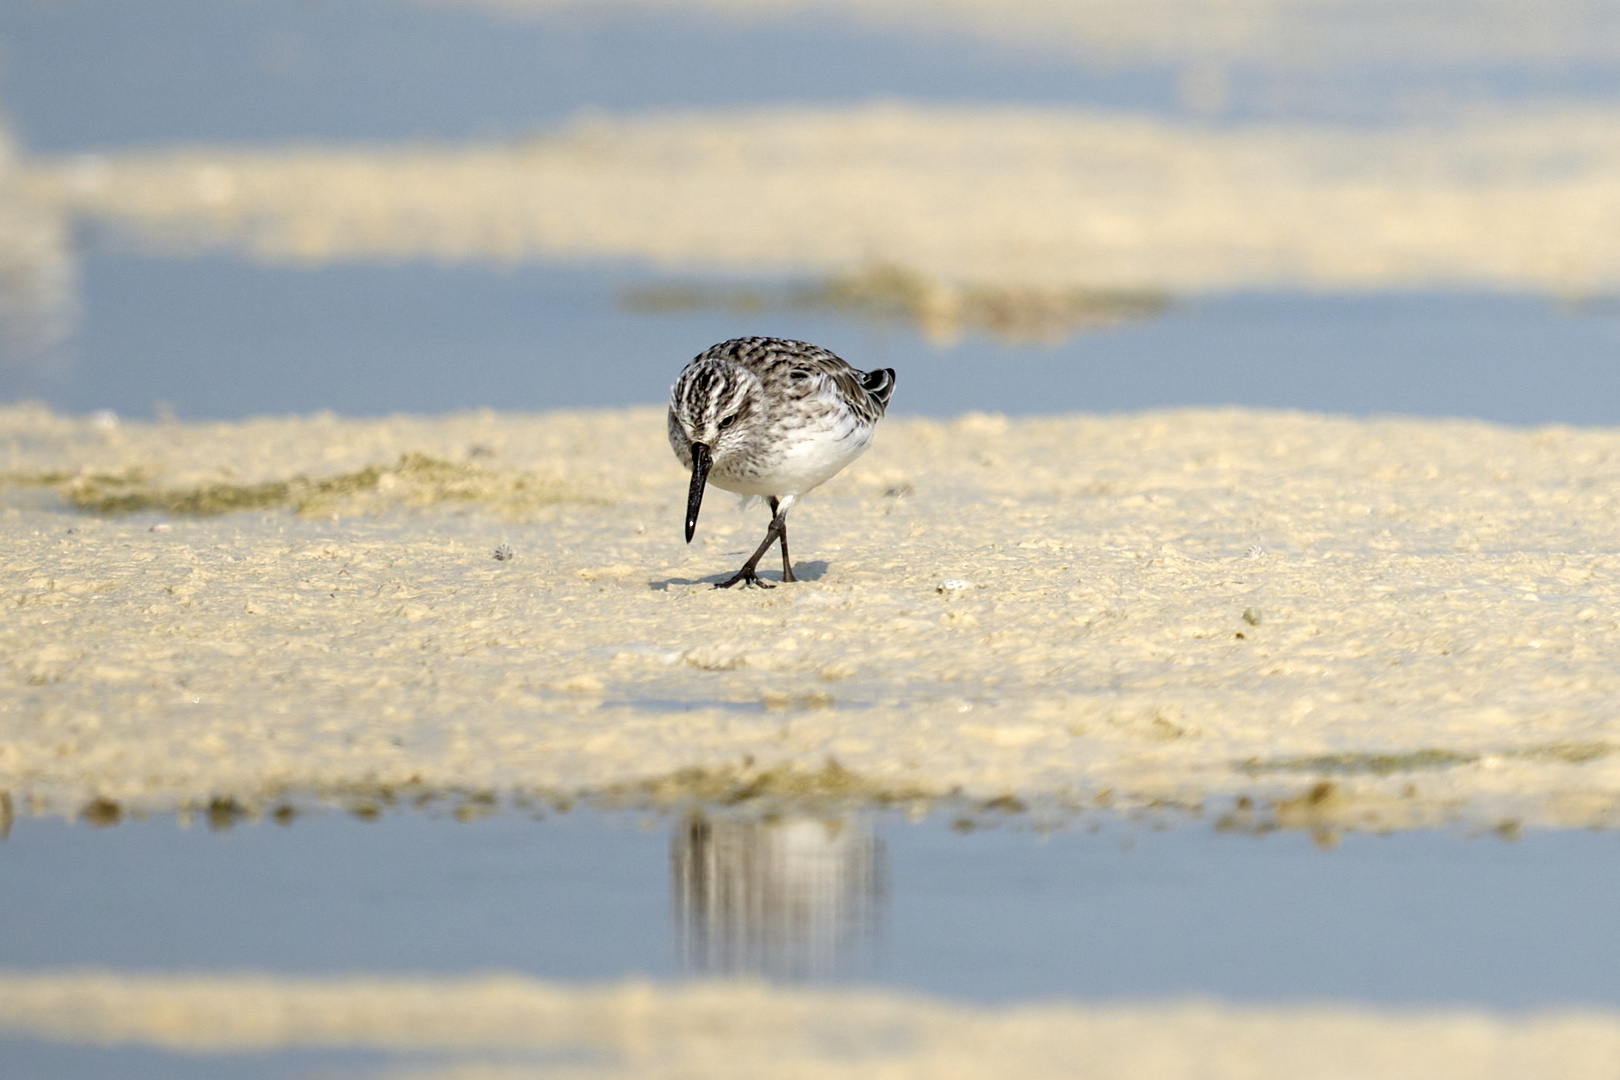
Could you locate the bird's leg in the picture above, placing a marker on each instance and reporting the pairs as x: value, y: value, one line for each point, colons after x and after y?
x: 787, y: 565
x: 746, y: 575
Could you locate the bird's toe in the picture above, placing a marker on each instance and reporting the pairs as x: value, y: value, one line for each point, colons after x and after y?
x: 747, y: 578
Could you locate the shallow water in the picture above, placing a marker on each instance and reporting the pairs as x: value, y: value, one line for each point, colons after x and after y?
x: 224, y: 338
x: 220, y: 338
x: 999, y: 913
x: 1107, y: 910
x: 91, y: 74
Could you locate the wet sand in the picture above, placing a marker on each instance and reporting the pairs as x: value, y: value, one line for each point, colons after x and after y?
x: 1269, y: 618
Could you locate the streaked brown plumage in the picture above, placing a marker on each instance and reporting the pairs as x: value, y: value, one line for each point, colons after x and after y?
x: 772, y: 417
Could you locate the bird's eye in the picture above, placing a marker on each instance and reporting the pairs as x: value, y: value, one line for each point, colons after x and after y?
x: 727, y: 422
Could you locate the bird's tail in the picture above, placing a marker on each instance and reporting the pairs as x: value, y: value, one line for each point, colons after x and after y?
x: 879, y: 386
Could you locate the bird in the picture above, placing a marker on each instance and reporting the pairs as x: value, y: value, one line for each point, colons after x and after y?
x: 766, y: 416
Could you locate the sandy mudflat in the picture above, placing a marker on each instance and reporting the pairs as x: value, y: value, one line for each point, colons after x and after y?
x: 1052, y: 609
x: 505, y: 1027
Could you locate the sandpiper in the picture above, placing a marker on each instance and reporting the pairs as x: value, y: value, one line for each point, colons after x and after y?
x: 767, y: 416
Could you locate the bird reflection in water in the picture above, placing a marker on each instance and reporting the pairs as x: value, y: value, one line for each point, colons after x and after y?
x: 796, y: 899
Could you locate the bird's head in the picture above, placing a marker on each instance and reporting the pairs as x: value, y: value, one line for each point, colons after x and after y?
x: 716, y: 409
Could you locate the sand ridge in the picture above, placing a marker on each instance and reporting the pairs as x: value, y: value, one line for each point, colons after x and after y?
x: 985, y: 196
x: 1362, y: 623
x: 512, y: 1026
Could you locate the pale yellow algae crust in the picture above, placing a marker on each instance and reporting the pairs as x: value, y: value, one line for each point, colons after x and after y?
x: 511, y: 1027
x: 1276, y: 618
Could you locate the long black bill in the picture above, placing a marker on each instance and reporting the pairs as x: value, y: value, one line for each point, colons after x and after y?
x: 694, y: 496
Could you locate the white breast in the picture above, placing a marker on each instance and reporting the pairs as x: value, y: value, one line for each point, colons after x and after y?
x: 809, y: 462
x: 805, y: 455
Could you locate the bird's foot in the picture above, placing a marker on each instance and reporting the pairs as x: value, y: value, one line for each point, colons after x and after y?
x: 747, y: 576
x: 787, y: 574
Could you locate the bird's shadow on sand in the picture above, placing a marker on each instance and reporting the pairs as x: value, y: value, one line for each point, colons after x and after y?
x: 809, y: 570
